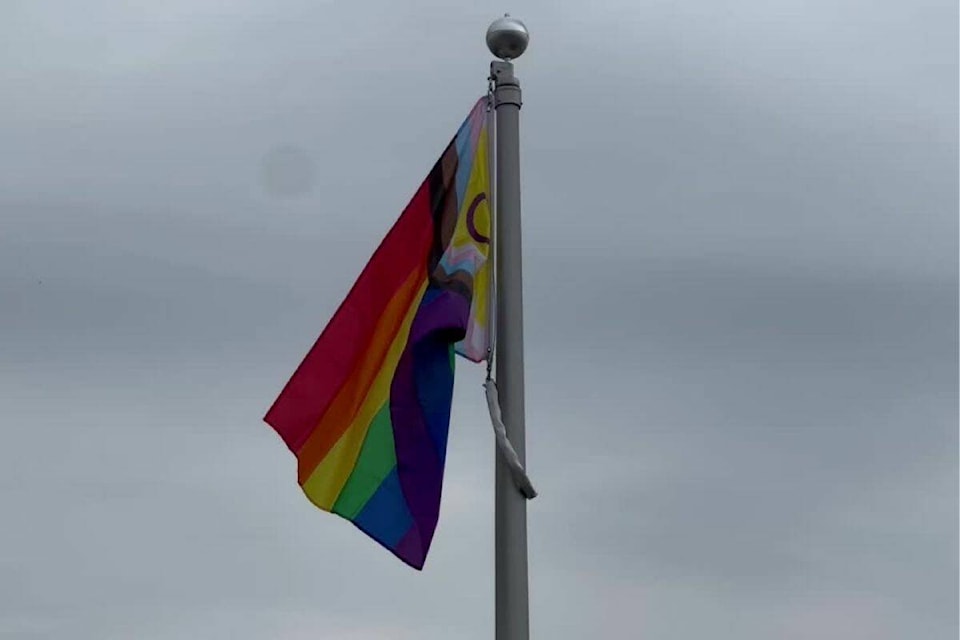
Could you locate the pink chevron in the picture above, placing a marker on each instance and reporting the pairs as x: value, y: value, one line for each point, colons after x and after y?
x: 457, y: 257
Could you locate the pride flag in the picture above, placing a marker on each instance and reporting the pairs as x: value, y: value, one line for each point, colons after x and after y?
x: 367, y: 412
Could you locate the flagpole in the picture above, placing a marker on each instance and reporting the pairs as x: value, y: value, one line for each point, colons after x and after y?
x: 507, y: 39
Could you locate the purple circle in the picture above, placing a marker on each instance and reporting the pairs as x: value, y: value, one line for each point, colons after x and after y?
x: 471, y: 226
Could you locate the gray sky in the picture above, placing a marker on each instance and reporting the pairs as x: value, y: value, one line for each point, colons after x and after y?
x: 741, y: 238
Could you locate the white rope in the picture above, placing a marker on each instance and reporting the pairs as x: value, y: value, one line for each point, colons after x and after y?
x: 510, y: 457
x: 517, y: 472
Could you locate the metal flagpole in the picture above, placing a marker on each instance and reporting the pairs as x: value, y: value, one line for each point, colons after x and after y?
x: 507, y: 39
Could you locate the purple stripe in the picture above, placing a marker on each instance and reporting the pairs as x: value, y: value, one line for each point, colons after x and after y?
x: 444, y: 312
x: 419, y: 464
x: 411, y: 550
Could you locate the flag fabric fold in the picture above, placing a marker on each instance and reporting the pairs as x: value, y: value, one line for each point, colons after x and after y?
x: 367, y: 412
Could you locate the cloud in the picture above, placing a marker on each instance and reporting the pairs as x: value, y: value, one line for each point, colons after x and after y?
x: 741, y: 311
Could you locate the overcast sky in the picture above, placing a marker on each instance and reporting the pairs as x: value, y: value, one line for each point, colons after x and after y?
x: 740, y: 227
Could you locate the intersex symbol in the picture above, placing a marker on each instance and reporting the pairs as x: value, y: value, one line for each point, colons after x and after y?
x: 471, y: 225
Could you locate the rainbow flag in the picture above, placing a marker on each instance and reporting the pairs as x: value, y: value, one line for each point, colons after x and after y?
x: 368, y: 410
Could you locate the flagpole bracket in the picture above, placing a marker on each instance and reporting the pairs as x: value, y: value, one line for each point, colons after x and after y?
x: 505, y: 83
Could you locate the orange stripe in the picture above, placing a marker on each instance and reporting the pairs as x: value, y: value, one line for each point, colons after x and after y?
x: 343, y: 410
x: 328, y: 478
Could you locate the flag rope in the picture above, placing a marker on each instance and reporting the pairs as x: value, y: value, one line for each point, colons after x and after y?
x: 510, y: 457
x: 491, y: 258
x: 517, y: 472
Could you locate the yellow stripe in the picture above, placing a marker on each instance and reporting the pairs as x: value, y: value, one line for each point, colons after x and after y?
x: 474, y: 341
x: 328, y: 478
x: 479, y: 183
x: 346, y: 404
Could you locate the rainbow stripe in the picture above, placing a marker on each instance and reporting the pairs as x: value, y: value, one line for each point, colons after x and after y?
x: 368, y: 410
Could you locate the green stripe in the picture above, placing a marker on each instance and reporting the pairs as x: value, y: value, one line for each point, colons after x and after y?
x: 377, y: 458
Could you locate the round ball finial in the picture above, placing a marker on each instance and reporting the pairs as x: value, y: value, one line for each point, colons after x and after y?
x: 507, y: 38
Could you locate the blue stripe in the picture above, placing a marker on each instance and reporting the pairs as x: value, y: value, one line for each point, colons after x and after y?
x: 465, y: 155
x: 434, y: 380
x: 385, y: 517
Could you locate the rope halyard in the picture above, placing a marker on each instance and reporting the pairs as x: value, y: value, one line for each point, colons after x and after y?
x: 519, y: 475
x: 517, y: 472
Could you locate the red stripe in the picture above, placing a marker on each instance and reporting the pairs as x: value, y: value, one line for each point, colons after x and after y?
x: 352, y: 396
x: 328, y: 364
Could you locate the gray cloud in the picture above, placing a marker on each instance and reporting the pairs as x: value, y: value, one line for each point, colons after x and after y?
x: 741, y: 306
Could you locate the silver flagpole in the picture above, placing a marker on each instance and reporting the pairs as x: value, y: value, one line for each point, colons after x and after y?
x: 507, y: 39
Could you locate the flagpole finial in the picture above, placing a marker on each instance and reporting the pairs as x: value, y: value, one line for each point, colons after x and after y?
x: 507, y: 37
